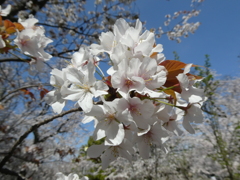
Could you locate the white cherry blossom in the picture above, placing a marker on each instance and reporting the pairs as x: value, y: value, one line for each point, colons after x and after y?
x: 154, y: 135
x: 6, y: 11
x: 61, y: 176
x: 110, y: 153
x: 2, y: 42
x: 83, y: 87
x: 54, y: 98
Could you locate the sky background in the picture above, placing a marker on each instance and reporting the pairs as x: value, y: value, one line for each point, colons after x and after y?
x: 217, y: 36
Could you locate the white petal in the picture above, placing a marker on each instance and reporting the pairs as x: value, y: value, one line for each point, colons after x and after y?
x: 100, y: 131
x: 6, y: 11
x: 61, y: 176
x: 58, y: 106
x: 187, y: 68
x: 95, y: 151
x: 144, y: 149
x: 73, y: 177
x: 86, y: 102
x: 74, y: 76
x: 108, y: 157
x: 188, y: 126
x: 2, y: 43
x: 115, y: 133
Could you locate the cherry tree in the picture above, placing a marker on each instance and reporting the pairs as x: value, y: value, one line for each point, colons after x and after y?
x: 37, y: 37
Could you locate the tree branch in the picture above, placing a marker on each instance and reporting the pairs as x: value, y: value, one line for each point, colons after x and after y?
x: 14, y: 60
x: 32, y: 128
x: 24, y: 87
x: 11, y: 173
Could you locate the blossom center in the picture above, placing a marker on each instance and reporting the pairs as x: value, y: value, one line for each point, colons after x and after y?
x: 23, y: 42
x: 134, y: 109
x: 128, y: 82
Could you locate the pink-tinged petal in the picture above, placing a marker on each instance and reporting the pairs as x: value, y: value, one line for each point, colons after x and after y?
x: 188, y: 126
x: 109, y: 156
x: 138, y: 84
x: 95, y: 151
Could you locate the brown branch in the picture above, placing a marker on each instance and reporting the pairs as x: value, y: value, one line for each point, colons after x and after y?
x: 11, y: 173
x: 2, y: 1
x: 31, y: 129
x: 14, y: 60
x: 24, y: 87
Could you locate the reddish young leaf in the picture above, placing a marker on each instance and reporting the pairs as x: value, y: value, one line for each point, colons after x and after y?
x: 1, y: 22
x: 26, y: 92
x: 18, y: 26
x: 174, y: 68
x: 173, y: 65
x: 9, y: 26
x: 43, y: 92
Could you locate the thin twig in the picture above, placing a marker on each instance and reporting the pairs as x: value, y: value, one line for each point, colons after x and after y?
x: 32, y: 128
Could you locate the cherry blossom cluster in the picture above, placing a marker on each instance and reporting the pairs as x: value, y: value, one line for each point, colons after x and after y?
x: 181, y: 29
x: 4, y: 12
x: 32, y: 41
x: 28, y: 37
x: 142, y: 100
x: 61, y: 176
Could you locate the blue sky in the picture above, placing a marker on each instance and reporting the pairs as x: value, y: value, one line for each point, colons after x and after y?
x: 217, y: 36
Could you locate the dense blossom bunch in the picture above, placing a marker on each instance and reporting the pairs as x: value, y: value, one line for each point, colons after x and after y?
x: 30, y: 39
x: 185, y: 27
x: 61, y: 176
x: 141, y: 101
